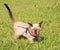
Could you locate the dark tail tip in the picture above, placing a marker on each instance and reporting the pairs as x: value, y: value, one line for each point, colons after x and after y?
x: 5, y: 5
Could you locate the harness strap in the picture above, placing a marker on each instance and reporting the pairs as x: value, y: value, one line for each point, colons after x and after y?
x: 22, y: 27
x: 31, y: 33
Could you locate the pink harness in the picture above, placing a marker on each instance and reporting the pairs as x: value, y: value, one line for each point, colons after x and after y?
x: 31, y: 33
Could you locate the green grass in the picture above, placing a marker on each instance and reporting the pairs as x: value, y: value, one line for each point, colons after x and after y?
x: 32, y: 11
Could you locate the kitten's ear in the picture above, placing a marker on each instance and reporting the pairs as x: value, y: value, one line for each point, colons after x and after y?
x: 40, y: 23
x: 30, y: 24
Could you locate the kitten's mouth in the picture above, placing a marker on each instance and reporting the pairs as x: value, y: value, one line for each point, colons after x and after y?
x: 31, y: 33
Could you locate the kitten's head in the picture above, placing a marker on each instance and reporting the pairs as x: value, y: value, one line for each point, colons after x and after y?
x: 35, y: 27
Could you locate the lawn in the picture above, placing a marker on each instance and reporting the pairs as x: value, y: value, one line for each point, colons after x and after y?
x: 32, y: 11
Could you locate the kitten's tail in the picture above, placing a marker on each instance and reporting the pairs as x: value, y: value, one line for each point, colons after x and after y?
x: 10, y: 13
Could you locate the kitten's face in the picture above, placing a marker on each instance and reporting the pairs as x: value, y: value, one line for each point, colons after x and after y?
x: 35, y: 27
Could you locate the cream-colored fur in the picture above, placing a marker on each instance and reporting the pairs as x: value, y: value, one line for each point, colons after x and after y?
x: 20, y: 29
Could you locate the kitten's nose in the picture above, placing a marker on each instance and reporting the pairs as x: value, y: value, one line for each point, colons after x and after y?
x: 35, y: 31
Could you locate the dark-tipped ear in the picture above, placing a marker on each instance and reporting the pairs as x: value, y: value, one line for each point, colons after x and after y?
x: 30, y: 24
x: 40, y: 23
